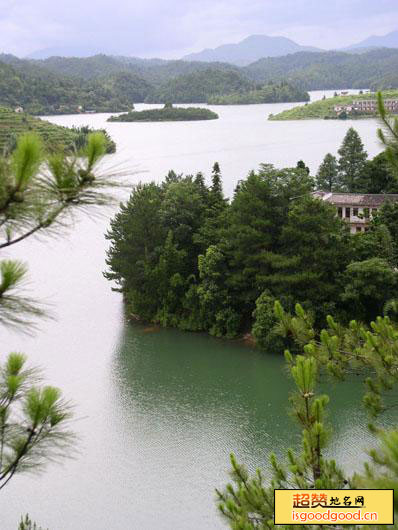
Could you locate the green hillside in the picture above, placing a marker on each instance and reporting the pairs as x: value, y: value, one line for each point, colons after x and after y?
x: 198, y: 87
x: 308, y: 70
x: 324, y: 109
x: 329, y: 70
x: 43, y: 92
x: 272, y: 93
x: 14, y: 124
x: 103, y: 83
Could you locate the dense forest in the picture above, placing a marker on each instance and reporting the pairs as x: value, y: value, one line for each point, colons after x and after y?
x: 198, y: 87
x: 330, y: 70
x: 46, y: 93
x: 184, y: 256
x: 168, y: 113
x: 113, y: 84
x: 271, y: 93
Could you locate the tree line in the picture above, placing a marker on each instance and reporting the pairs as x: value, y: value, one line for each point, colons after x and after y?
x: 270, y: 93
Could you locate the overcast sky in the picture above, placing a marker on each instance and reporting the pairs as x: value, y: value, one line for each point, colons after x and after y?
x: 172, y: 28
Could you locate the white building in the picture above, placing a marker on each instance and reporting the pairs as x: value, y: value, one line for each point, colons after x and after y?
x: 356, y: 208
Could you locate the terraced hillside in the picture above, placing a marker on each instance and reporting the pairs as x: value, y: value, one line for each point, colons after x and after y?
x: 13, y: 124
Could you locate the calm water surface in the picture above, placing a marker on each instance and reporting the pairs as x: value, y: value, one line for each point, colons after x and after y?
x: 159, y: 411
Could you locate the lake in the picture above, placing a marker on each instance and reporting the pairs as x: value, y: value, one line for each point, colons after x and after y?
x: 158, y: 412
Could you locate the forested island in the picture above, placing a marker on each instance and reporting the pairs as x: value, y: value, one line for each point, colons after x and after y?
x: 167, y: 113
x: 325, y: 108
x: 101, y: 83
x: 271, y: 93
x: 55, y: 137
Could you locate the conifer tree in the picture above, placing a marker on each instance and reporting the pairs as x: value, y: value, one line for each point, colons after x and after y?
x: 327, y: 178
x: 301, y: 165
x: 38, y: 194
x: 27, y: 524
x: 247, y: 503
x: 314, y: 246
x: 388, y: 135
x: 216, y: 184
x: 352, y: 162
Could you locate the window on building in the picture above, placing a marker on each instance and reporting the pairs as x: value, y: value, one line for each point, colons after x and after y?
x: 355, y: 212
x: 359, y: 229
x: 340, y: 212
x: 366, y: 213
x: 366, y: 229
x: 348, y: 212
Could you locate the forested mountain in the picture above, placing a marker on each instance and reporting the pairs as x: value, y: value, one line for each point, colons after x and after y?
x: 198, y: 87
x: 271, y: 93
x: 249, y: 50
x: 97, y: 66
x: 327, y: 70
x: 39, y: 91
x: 308, y: 70
x: 112, y: 84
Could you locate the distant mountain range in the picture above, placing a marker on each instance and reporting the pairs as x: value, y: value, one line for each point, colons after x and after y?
x: 59, y: 85
x: 242, y: 53
x: 258, y: 47
x: 386, y: 41
x: 66, y: 51
x: 249, y: 50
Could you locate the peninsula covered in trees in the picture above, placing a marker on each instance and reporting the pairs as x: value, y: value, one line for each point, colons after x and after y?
x: 325, y: 108
x: 271, y: 93
x: 167, y: 113
x: 186, y: 257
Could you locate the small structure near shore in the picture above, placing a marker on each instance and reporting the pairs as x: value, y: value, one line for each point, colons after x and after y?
x: 357, y: 209
x: 367, y: 106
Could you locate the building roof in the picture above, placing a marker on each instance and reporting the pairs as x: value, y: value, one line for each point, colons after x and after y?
x: 356, y: 199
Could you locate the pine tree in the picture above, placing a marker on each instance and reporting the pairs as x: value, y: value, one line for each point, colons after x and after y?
x: 27, y: 524
x: 216, y: 185
x: 315, y: 248
x: 352, y: 162
x: 327, y: 178
x: 38, y: 195
x: 301, y: 165
x: 247, y: 503
x: 209, y: 232
x: 388, y: 134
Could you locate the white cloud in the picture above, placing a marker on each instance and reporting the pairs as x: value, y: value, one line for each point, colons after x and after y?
x: 157, y: 27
